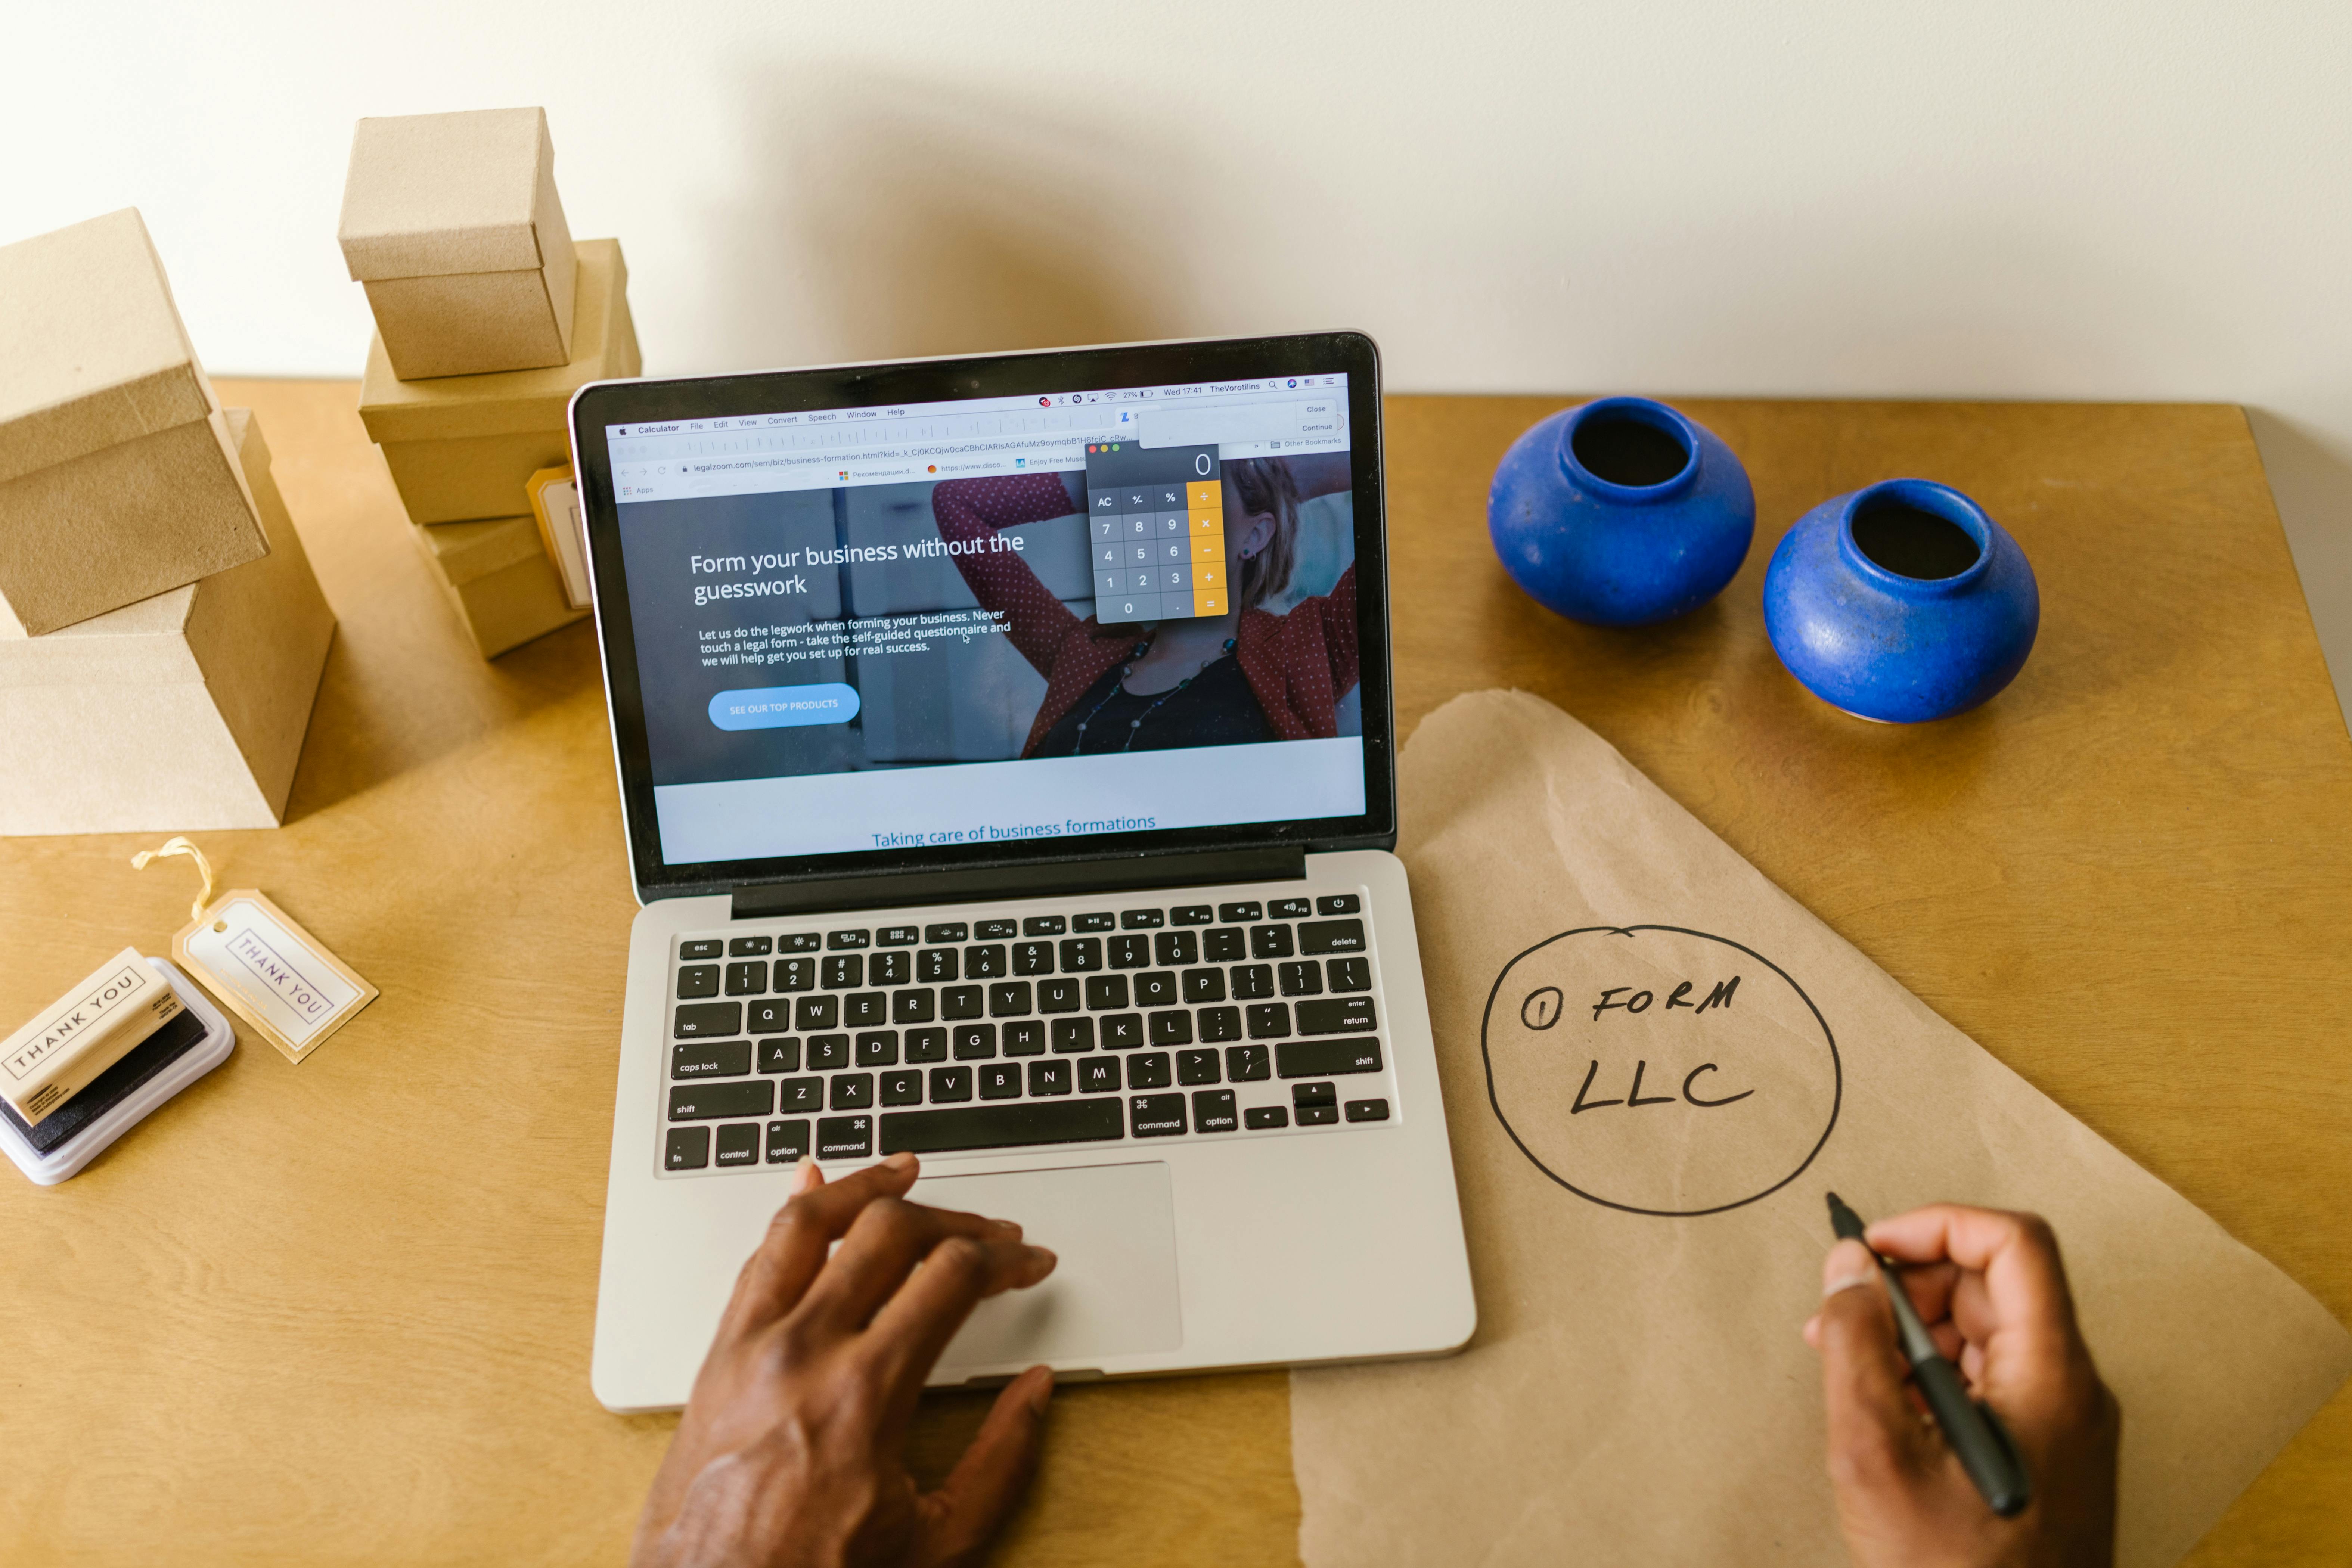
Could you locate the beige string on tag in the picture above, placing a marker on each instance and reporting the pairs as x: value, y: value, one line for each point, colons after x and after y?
x: 182, y: 847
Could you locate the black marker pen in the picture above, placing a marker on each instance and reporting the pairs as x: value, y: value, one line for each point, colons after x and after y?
x: 1974, y: 1432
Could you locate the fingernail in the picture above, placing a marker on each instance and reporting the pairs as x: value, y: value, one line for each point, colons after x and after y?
x: 900, y: 1161
x: 1044, y: 1254
x: 805, y: 1174
x: 1004, y: 1225
x: 1849, y: 1264
x: 1043, y: 1391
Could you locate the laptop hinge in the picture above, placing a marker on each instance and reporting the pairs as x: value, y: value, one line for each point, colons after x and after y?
x: 992, y: 883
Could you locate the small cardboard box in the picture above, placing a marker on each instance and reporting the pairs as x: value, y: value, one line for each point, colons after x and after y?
x: 452, y: 223
x: 184, y: 711
x: 118, y: 475
x: 496, y: 573
x: 464, y: 447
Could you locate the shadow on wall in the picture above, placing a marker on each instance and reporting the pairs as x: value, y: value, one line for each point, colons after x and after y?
x: 894, y: 219
x: 2313, y: 485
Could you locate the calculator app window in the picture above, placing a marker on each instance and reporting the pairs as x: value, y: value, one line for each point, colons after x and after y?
x: 1156, y: 525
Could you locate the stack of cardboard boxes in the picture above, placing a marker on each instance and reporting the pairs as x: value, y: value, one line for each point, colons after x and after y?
x: 489, y: 317
x: 160, y: 634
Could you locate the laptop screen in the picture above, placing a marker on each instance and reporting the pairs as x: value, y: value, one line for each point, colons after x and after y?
x: 1057, y: 615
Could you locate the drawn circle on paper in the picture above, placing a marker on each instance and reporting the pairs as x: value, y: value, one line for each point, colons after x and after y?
x: 1676, y: 1074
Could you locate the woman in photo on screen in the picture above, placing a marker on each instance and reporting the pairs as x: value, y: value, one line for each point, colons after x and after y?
x: 1248, y: 675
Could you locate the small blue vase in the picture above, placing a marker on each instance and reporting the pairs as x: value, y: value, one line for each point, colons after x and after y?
x: 1901, y: 602
x: 1620, y: 513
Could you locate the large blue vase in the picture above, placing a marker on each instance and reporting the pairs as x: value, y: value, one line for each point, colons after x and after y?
x: 1621, y: 512
x: 1901, y: 602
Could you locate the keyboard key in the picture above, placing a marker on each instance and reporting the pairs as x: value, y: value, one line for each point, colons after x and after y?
x: 974, y: 1042
x: 1238, y: 914
x: 1156, y: 1115
x: 897, y: 936
x: 877, y: 1048
x: 1175, y: 1028
x: 1323, y: 1058
x: 1071, y: 1034
x: 811, y: 1012
x: 687, y: 1149
x: 959, y: 1002
x: 1331, y: 936
x: 788, y: 1143
x: 904, y: 1087
x: 926, y: 1045
x: 796, y: 974
x: 1348, y: 974
x: 1175, y: 949
x: 1304, y: 1094
x: 1269, y: 941
x: 1104, y: 921
x: 699, y: 980
x: 828, y: 1052
x: 1219, y: 1024
x: 1204, y: 985
x: 1317, y: 1115
x: 800, y: 941
x: 1259, y: 1117
x: 1344, y: 1016
x: 1304, y: 978
x: 1224, y: 945
x: 1155, y: 988
x: 1081, y: 954
x: 708, y: 1101
x: 937, y: 965
x: 1290, y: 909
x: 950, y: 1084
x: 852, y: 1091
x: 1191, y: 915
x: 1268, y: 1020
x: 838, y: 940
x: 750, y: 947
x: 738, y: 1143
x: 1149, y: 1070
x: 1368, y: 1111
x: 1212, y: 1112
x: 1141, y: 920
x: 1106, y: 991
x: 799, y: 1094
x: 1339, y: 904
x: 1059, y: 995
x: 844, y: 971
x: 915, y: 1006
x: 1049, y: 1078
x: 1197, y: 1066
x: 1032, y: 958
x: 731, y: 1059
x: 999, y: 1080
x: 947, y: 931
x: 1129, y: 952
x: 1001, y: 1126
x: 708, y: 1020
x: 1098, y: 1074
x: 846, y: 1138
x: 890, y: 969
x: 995, y: 930
x: 693, y: 950
x: 1043, y: 925
x: 1248, y: 1064
x: 1024, y: 1038
x: 985, y: 962
x: 780, y: 1056
x: 773, y: 1016
x: 1122, y: 1031
x: 1011, y: 999
x: 1253, y: 982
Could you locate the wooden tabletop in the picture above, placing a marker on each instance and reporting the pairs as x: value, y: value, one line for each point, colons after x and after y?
x: 340, y: 1313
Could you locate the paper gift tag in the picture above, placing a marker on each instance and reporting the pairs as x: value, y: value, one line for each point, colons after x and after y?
x: 263, y: 965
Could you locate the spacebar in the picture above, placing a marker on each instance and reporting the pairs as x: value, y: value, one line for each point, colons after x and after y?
x: 1001, y: 1126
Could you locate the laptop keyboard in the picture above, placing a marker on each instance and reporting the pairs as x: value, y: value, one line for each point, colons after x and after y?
x: 854, y: 1041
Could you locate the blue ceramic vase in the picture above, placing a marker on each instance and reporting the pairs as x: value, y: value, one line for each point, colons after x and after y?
x: 1901, y: 602
x: 1620, y: 513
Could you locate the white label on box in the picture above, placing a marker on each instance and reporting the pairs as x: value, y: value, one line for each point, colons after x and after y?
x: 272, y: 971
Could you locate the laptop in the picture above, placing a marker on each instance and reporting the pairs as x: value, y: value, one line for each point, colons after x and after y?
x: 1007, y: 763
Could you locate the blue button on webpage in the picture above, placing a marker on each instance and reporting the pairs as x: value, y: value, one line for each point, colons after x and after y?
x: 784, y: 707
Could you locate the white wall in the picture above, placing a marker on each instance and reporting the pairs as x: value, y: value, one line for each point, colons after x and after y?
x: 2004, y: 198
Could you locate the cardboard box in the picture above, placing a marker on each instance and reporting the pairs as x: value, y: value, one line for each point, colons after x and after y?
x: 452, y: 223
x: 184, y: 711
x: 496, y: 573
x: 464, y: 447
x: 118, y: 475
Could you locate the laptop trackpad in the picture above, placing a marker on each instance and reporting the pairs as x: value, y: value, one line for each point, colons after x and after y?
x: 1114, y: 1292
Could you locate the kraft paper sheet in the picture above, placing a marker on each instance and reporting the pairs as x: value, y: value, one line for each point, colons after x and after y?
x: 1637, y: 1391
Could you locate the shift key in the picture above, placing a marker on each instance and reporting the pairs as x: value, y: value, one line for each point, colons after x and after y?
x: 701, y: 1101
x: 1326, y: 1058
x: 1339, y: 1015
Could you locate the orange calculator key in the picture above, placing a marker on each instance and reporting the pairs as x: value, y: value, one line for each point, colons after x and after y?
x: 1210, y: 547
x: 1207, y: 521
x: 1205, y: 493
x: 1210, y: 575
x: 1206, y: 602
